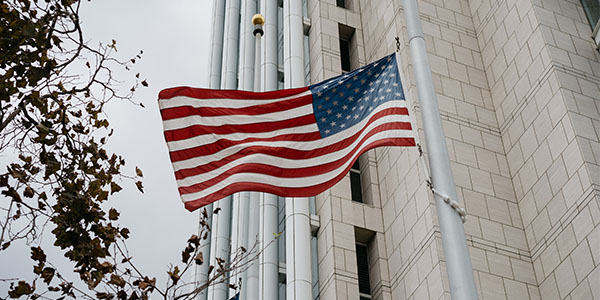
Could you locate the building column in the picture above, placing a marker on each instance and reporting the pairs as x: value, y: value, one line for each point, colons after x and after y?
x: 214, y: 82
x: 221, y: 242
x: 216, y: 44
x: 297, y: 211
x: 230, y: 45
x: 298, y: 266
x: 234, y: 236
x: 201, y: 274
x: 293, y: 44
x: 250, y: 292
x: 268, y: 207
x: 246, y: 82
x: 239, y: 236
x: 247, y: 46
x: 269, y: 49
x: 269, y: 258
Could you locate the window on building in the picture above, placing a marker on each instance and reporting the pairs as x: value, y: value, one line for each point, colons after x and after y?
x: 345, y: 55
x: 341, y: 3
x: 592, y: 11
x: 280, y: 80
x: 347, y: 48
x: 367, y: 260
x: 355, y: 182
x: 362, y: 263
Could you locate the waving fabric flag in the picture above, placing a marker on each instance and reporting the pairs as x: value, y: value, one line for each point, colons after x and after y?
x: 293, y: 143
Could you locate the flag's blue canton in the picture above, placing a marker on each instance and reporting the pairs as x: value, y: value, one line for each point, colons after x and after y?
x: 343, y: 101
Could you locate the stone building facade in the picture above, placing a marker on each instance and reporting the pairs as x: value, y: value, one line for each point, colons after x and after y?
x: 518, y: 85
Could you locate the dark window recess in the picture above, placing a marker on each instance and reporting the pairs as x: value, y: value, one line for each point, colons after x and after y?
x: 341, y: 3
x: 345, y: 55
x: 592, y: 11
x: 362, y: 262
x: 347, y: 47
x: 355, y: 185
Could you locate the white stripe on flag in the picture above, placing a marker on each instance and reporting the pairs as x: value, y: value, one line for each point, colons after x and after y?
x: 280, y: 162
x: 178, y: 101
x: 237, y: 119
x: 286, y: 182
x: 308, y: 145
x: 210, y: 138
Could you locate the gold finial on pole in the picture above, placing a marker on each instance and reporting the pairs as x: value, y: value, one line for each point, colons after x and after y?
x: 258, y: 19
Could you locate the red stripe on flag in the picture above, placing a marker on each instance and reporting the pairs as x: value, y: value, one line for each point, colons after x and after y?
x: 294, y: 154
x: 287, y: 191
x: 277, y: 171
x: 222, y: 144
x: 271, y: 151
x: 196, y: 130
x: 188, y: 110
x: 198, y: 93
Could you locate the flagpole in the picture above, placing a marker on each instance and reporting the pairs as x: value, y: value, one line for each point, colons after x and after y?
x: 458, y: 263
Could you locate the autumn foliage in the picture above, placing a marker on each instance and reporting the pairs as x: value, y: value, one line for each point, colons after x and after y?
x: 59, y: 174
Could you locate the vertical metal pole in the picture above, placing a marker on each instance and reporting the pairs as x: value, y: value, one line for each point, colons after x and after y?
x: 458, y: 263
x: 257, y: 52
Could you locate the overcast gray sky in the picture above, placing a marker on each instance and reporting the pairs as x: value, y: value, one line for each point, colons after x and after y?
x: 174, y: 36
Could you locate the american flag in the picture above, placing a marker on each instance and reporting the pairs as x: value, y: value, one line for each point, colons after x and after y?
x: 293, y: 143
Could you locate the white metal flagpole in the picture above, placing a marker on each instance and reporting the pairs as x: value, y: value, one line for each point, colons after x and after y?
x: 458, y: 263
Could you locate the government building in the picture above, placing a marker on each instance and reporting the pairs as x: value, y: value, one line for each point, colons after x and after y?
x: 518, y: 86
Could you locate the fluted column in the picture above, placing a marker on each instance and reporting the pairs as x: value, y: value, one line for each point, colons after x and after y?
x: 269, y: 50
x: 214, y: 82
x: 222, y: 220
x: 230, y: 45
x: 293, y: 44
x: 216, y: 44
x: 220, y: 244
x: 269, y: 258
x: 297, y: 211
x: 247, y: 46
x: 298, y: 249
x: 250, y: 292
x: 268, y: 207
